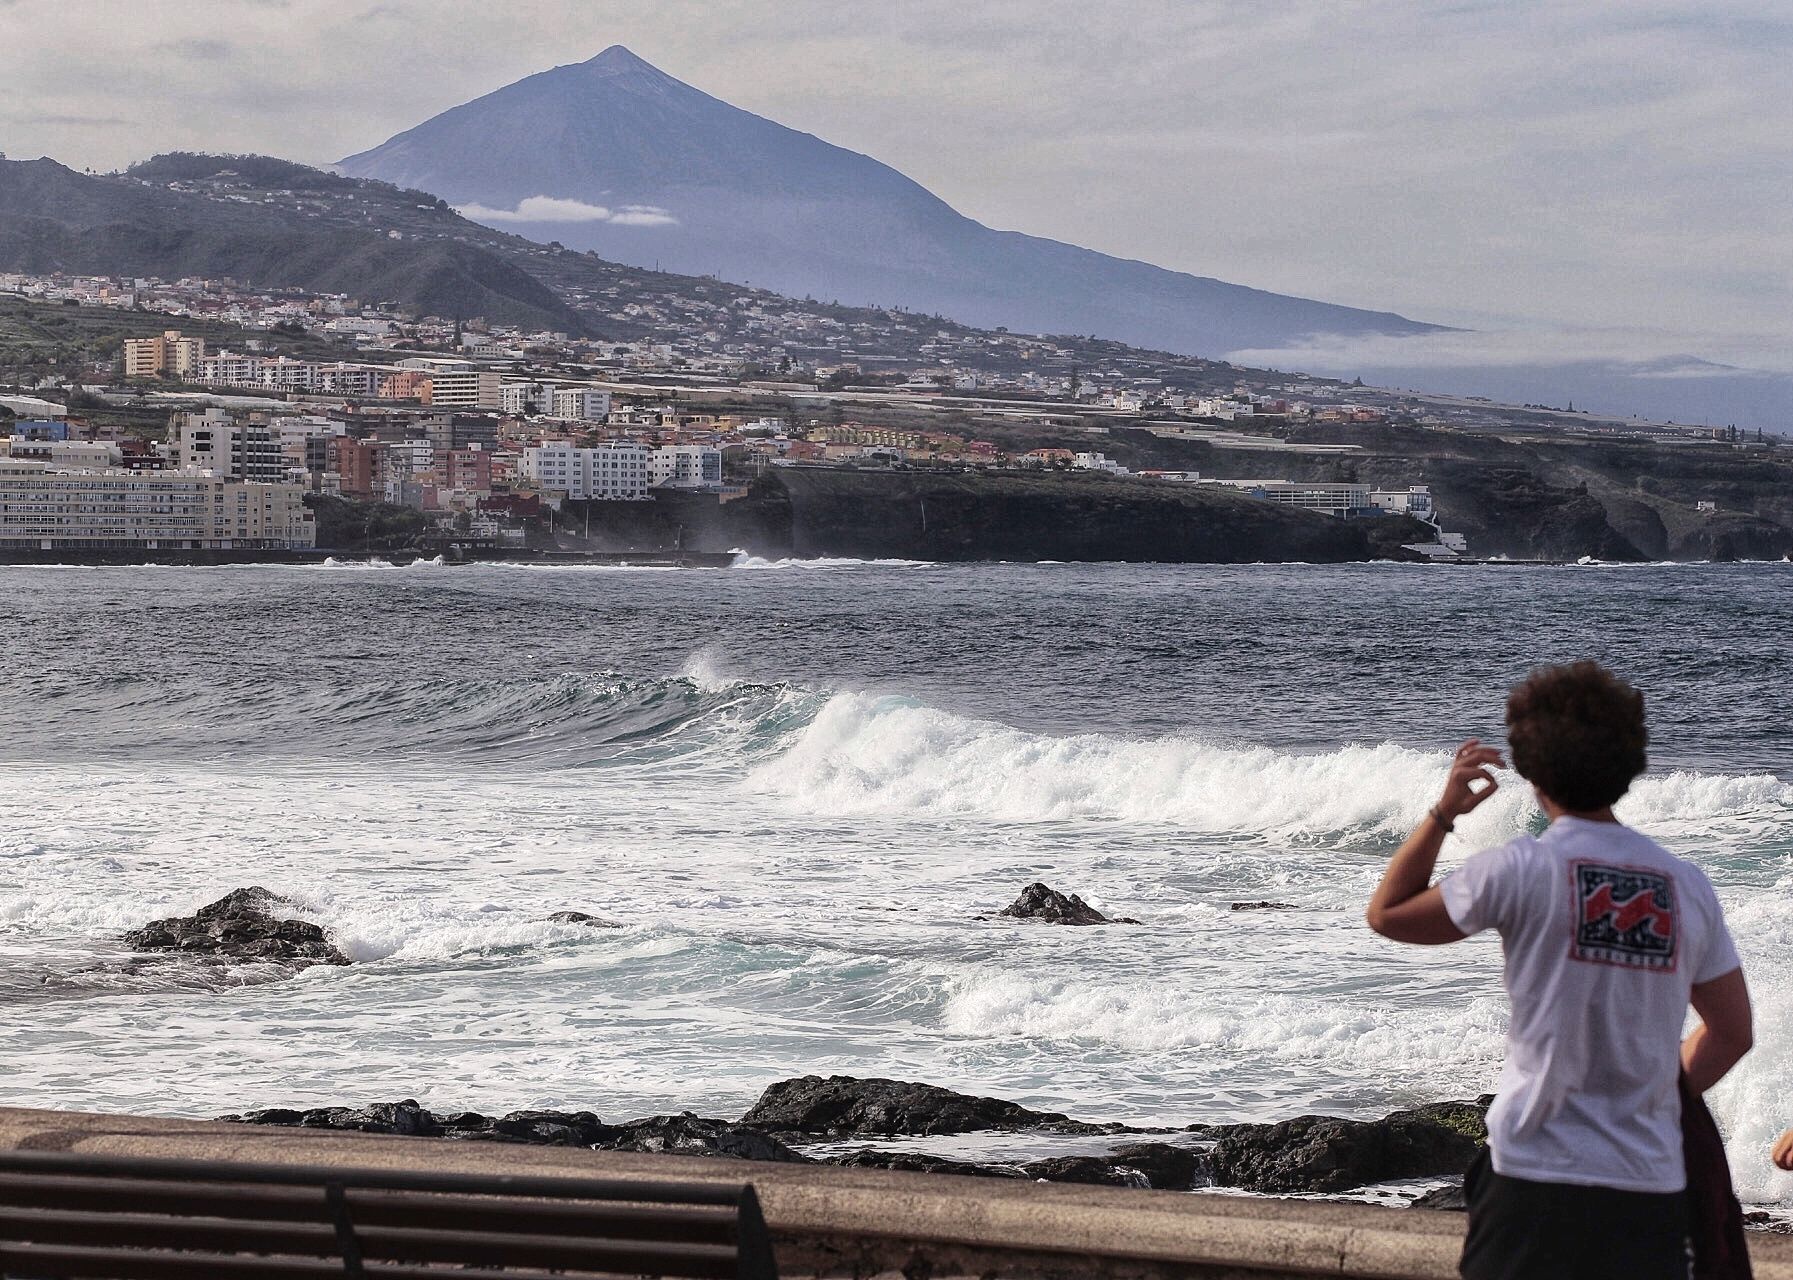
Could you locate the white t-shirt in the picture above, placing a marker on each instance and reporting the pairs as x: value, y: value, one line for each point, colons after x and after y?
x: 1604, y: 932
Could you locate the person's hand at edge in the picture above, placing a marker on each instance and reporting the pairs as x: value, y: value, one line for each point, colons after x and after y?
x: 1473, y: 763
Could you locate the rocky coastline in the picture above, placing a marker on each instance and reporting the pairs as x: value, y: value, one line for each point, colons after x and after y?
x: 852, y: 1122
x: 866, y: 1122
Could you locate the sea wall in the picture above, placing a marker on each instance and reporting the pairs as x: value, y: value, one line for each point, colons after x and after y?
x: 834, y: 1222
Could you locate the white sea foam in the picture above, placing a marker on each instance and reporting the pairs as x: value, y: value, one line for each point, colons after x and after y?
x: 376, y: 563
x: 745, y: 561
x: 864, y: 754
x: 1153, y: 1017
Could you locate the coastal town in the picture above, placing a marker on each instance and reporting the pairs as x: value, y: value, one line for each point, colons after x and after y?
x: 163, y: 437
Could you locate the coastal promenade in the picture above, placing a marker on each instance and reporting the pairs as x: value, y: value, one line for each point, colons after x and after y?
x: 834, y: 1222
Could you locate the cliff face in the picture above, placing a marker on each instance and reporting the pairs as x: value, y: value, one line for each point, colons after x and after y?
x: 1018, y: 516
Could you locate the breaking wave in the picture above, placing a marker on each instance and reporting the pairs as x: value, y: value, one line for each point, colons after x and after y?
x: 863, y: 754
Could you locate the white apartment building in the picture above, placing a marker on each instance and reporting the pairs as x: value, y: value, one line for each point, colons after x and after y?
x: 463, y: 389
x: 581, y: 403
x: 520, y: 398
x: 44, y: 508
x: 685, y: 466
x: 607, y: 473
x: 229, y: 449
x: 1331, y: 499
x: 62, y: 453
x: 1415, y: 501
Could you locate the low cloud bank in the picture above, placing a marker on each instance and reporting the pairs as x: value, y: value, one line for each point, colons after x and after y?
x: 557, y: 209
x: 1637, y: 353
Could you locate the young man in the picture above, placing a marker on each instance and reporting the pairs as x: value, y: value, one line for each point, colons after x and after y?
x: 1608, y: 938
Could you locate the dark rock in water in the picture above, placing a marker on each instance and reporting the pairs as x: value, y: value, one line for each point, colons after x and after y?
x: 1321, y: 1153
x: 1450, y: 1199
x: 685, y: 1134
x: 543, y: 1128
x: 579, y: 917
x: 1039, y: 902
x: 406, y: 1118
x: 1094, y: 1171
x: 920, y: 1162
x: 1265, y: 906
x: 242, y: 925
x: 1467, y: 1118
x: 1148, y: 1165
x: 845, y: 1106
x: 1761, y: 1220
x: 692, y: 1135
x: 1163, y: 1166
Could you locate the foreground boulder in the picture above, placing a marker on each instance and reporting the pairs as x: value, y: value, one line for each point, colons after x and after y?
x: 685, y: 1134
x: 849, y: 1107
x: 1039, y: 902
x: 1324, y: 1154
x: 245, y: 924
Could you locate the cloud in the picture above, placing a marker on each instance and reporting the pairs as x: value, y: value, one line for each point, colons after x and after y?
x: 1631, y: 352
x: 643, y: 215
x: 555, y: 209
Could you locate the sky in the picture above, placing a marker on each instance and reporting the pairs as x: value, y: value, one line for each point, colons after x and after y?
x: 1607, y: 176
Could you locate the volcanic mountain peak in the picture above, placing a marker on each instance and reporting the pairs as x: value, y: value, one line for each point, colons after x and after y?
x: 616, y: 156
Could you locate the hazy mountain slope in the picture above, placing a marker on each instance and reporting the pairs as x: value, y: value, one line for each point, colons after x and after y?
x: 52, y: 218
x: 673, y: 177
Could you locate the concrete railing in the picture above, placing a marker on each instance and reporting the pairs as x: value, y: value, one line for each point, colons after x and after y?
x: 829, y: 1221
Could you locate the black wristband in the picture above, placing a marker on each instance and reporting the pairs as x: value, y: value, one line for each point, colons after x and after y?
x: 1439, y: 818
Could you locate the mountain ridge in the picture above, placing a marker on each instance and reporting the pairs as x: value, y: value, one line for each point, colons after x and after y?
x: 750, y: 200
x: 54, y: 219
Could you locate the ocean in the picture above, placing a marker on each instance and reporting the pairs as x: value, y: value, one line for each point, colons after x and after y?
x: 805, y: 789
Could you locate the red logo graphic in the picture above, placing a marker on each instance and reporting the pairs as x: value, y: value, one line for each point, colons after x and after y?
x: 1624, y: 916
x: 1627, y: 915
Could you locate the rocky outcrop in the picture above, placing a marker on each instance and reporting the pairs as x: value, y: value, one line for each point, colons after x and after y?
x: 1038, y: 902
x: 580, y: 917
x: 245, y: 925
x: 849, y: 1107
x: 1265, y: 906
x: 1323, y: 1153
x: 685, y: 1134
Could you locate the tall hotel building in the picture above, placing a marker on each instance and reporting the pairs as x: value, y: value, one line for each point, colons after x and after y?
x: 46, y: 509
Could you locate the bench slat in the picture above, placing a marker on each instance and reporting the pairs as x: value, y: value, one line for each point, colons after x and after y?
x: 124, y: 1232
x: 544, y: 1188
x: 702, y: 1223
x: 212, y: 1220
x: 68, y: 1261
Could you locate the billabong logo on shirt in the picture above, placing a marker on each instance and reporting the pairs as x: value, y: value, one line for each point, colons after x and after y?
x: 1624, y: 916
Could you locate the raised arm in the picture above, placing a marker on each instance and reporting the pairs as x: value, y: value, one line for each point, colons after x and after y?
x: 1406, y: 906
x: 1726, y: 1031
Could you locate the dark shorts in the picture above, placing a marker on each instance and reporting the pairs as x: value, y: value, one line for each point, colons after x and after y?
x: 1521, y: 1230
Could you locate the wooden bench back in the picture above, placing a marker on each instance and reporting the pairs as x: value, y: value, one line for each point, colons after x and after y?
x: 67, y: 1215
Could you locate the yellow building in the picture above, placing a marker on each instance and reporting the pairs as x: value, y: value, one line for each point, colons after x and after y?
x: 169, y: 354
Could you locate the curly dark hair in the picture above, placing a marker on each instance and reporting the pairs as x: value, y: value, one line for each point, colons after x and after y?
x: 1577, y: 734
